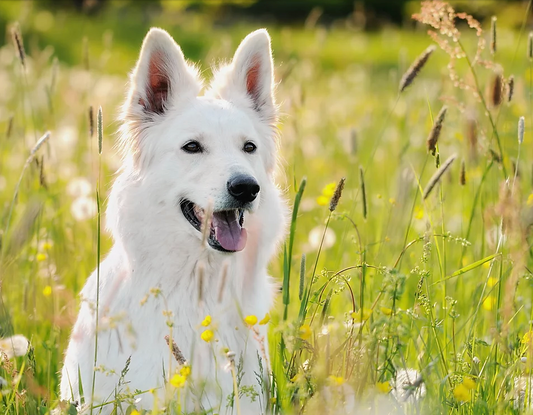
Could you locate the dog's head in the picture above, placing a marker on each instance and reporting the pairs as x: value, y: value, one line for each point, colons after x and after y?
x: 192, y: 152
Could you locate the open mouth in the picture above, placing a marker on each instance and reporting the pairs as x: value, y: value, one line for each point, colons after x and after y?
x: 226, y: 234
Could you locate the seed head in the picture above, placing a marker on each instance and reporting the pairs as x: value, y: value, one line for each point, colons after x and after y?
x: 496, y: 90
x: 415, y: 68
x: 462, y: 179
x: 363, y: 190
x: 493, y: 35
x: 336, y: 195
x: 510, y: 88
x: 100, y: 129
x: 434, y: 134
x: 91, y: 121
x: 521, y: 129
x: 437, y: 176
x: 530, y: 46
x: 19, y: 44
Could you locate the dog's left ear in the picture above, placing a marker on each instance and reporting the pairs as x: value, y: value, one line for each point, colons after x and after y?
x: 249, y: 81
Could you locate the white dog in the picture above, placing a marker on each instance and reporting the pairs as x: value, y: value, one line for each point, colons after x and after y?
x: 185, y: 155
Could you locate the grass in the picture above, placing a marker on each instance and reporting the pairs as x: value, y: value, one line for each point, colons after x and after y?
x: 392, y: 280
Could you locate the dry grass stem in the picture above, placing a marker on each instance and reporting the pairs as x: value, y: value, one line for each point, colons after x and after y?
x: 337, y: 195
x: 415, y: 68
x: 176, y: 351
x: 206, y: 222
x: 437, y: 176
x: 434, y: 134
x: 200, y: 271
x: 100, y: 129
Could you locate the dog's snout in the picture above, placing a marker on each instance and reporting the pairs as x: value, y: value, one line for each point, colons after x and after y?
x: 243, y: 188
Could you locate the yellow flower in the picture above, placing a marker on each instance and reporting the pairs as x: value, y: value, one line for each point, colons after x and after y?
x: 386, y: 311
x: 528, y: 337
x: 383, y: 387
x: 47, y: 291
x: 47, y: 245
x: 419, y: 212
x: 530, y: 200
x: 305, y: 331
x: 297, y: 377
x: 491, y: 281
x: 362, y: 314
x: 489, y: 303
x: 329, y: 189
x: 41, y: 257
x: 469, y: 383
x: 178, y: 380
x: 265, y: 320
x: 392, y: 201
x: 250, y: 320
x: 185, y: 371
x: 336, y: 380
x: 135, y: 412
x: 207, y: 335
x: 207, y: 321
x: 322, y: 200
x: 461, y: 393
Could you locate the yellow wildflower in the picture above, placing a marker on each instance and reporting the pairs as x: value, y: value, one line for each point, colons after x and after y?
x: 492, y: 281
x: 250, y: 320
x: 528, y: 337
x: 329, y: 189
x: 489, y: 303
x: 362, y: 314
x: 265, y: 320
x: 469, y: 383
x: 296, y: 377
x: 207, y: 321
x: 207, y: 335
x: 392, y: 201
x: 41, y: 257
x: 47, y: 245
x: 461, y: 393
x: 185, y: 371
x: 322, y: 200
x: 530, y: 200
x: 383, y: 387
x: 47, y: 291
x: 305, y: 331
x: 419, y: 212
x: 178, y: 380
x: 135, y: 412
x: 386, y: 311
x: 336, y: 380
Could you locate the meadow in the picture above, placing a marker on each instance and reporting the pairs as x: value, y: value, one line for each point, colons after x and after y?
x: 413, y: 294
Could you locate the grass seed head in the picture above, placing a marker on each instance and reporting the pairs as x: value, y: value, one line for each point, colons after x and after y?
x: 462, y: 179
x: 437, y: 176
x: 521, y: 130
x: 434, y: 134
x: 493, y: 35
x: 19, y: 44
x: 415, y: 68
x: 363, y: 190
x: 176, y: 352
x: 530, y: 45
x: 336, y: 195
x: 496, y: 90
x: 9, y: 128
x: 91, y: 121
x: 510, y: 88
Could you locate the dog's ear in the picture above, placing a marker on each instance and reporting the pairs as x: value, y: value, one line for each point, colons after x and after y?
x: 249, y: 79
x: 161, y: 77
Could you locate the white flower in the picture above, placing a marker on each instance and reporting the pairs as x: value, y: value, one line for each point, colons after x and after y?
x: 16, y: 345
x: 84, y: 208
x: 408, y: 386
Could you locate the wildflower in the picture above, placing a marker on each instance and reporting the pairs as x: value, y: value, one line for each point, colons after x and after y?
x: 489, y: 303
x: 408, y: 386
x: 185, y: 371
x: 327, y: 193
x: 362, y: 314
x: 527, y: 338
x: 83, y: 208
x: 177, y: 380
x: 265, y: 319
x: 305, y: 331
x: 386, y: 311
x: 461, y: 393
x: 492, y: 281
x: 207, y: 335
x: 40, y: 257
x: 250, y: 320
x: 336, y: 380
x: 206, y: 321
x: 383, y: 387
x: 322, y: 200
x: 469, y: 383
x: 47, y: 291
x: 530, y: 200
x: 419, y: 212
x: 47, y: 245
x: 14, y: 346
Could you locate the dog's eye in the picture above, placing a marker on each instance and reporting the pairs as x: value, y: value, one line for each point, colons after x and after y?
x: 192, y: 147
x: 249, y: 147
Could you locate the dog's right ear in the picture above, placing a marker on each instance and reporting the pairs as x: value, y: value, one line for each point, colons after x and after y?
x: 161, y: 78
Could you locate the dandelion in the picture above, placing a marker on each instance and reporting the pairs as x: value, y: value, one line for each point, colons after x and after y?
x: 336, y: 195
x: 265, y: 320
x: 336, y: 380
x: 47, y: 291
x: 383, y: 387
x: 434, y: 134
x: 250, y: 320
x: 177, y: 380
x: 438, y: 174
x: 521, y: 129
x: 461, y: 393
x: 305, y: 331
x: 206, y: 321
x: 14, y: 346
x: 489, y: 303
x: 207, y: 335
x: 361, y: 315
x: 408, y: 386
x: 40, y: 257
x: 493, y: 35
x: 415, y: 68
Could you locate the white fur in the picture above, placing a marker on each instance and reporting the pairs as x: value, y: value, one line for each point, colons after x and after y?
x: 156, y: 247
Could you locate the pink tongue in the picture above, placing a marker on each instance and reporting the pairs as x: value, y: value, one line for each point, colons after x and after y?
x: 228, y: 232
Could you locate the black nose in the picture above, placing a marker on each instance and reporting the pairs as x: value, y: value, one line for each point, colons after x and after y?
x: 243, y: 188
